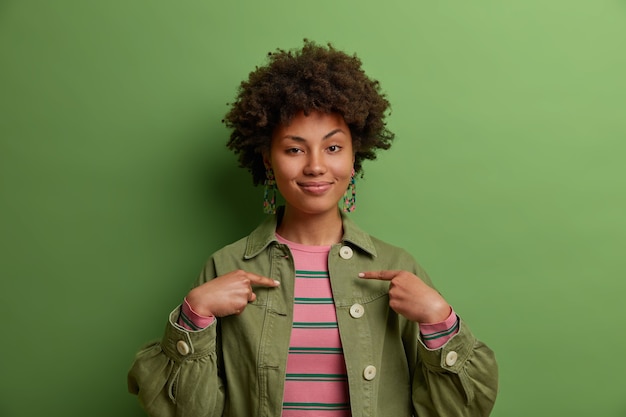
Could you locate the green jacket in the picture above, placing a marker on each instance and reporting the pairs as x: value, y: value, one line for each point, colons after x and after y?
x: 236, y: 366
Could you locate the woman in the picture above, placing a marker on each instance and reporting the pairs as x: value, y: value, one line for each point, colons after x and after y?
x: 309, y: 315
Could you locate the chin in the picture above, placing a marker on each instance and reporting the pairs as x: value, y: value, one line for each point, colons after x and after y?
x: 314, y: 209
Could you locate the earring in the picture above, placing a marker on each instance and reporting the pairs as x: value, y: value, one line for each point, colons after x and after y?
x: 269, y: 196
x: 349, y: 198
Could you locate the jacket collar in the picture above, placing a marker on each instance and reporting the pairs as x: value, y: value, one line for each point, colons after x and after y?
x: 265, y: 234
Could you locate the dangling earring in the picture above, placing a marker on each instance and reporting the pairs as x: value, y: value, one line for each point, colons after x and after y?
x: 349, y: 198
x: 269, y: 196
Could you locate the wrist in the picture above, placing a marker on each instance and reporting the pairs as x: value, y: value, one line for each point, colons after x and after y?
x: 192, y: 302
x: 191, y: 320
x: 439, y: 313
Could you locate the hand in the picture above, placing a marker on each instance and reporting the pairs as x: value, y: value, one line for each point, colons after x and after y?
x: 227, y: 294
x: 411, y: 297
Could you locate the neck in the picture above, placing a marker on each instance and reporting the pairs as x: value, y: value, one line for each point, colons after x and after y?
x: 323, y: 229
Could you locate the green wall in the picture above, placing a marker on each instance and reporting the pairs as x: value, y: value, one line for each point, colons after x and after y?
x: 506, y: 180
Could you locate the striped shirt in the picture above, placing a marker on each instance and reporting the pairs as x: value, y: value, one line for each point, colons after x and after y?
x: 316, y: 382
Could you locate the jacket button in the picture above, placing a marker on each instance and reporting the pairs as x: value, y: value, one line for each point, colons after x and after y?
x: 345, y: 252
x: 369, y: 372
x: 357, y: 311
x: 183, y: 348
x: 451, y: 358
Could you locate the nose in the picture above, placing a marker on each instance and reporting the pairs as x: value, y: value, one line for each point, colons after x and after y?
x: 315, y: 165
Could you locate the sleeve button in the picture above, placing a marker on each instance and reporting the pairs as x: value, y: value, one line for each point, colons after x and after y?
x: 182, y: 347
x: 451, y: 358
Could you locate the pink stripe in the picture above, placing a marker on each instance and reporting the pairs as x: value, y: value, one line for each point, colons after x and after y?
x: 312, y: 364
x: 315, y: 338
x: 331, y: 392
x: 314, y: 313
x: 313, y: 288
x: 304, y: 413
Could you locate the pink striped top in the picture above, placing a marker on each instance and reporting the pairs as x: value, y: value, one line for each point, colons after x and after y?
x: 316, y: 381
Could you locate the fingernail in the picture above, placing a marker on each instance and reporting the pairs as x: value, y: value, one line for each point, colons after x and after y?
x: 276, y: 282
x: 361, y: 274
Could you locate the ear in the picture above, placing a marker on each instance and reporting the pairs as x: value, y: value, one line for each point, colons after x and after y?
x: 267, y: 162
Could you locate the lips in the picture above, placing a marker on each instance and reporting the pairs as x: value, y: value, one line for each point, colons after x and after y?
x: 315, y: 188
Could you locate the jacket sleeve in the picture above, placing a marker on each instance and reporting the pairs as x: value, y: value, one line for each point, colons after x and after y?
x: 458, y: 379
x: 179, y: 375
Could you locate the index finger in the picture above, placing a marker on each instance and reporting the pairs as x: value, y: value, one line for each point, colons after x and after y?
x: 261, y: 280
x: 385, y: 275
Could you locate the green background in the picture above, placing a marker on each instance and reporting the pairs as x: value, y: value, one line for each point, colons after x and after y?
x: 506, y: 180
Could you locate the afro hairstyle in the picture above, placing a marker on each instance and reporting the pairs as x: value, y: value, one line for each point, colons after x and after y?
x: 314, y: 78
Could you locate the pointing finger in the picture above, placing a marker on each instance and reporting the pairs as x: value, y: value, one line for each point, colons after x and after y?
x: 380, y: 275
x: 261, y: 280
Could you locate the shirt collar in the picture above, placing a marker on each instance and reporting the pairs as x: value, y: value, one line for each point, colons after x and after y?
x: 265, y: 234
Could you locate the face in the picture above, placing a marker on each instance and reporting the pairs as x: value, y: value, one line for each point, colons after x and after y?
x: 312, y: 160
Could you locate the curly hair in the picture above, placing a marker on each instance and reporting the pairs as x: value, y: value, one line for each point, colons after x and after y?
x: 314, y: 78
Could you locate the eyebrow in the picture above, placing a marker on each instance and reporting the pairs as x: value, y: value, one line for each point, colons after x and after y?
x: 326, y: 136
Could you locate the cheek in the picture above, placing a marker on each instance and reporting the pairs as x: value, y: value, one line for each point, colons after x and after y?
x: 346, y: 168
x: 343, y: 176
x: 284, y: 174
x: 283, y: 170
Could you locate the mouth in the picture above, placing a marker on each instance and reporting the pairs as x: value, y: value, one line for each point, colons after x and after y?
x: 315, y: 188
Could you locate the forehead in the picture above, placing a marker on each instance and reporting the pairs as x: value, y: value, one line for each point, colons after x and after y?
x: 312, y: 125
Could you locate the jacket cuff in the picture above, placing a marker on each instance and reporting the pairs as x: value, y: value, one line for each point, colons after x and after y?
x: 452, y: 355
x: 435, y: 335
x: 181, y: 345
x: 190, y: 320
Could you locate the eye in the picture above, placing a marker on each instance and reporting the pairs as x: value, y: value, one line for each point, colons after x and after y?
x: 334, y: 148
x: 293, y: 150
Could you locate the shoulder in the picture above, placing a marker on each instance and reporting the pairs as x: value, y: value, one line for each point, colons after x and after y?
x: 252, y: 245
x: 236, y: 247
x: 370, y: 244
x: 387, y: 250
x: 390, y: 256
